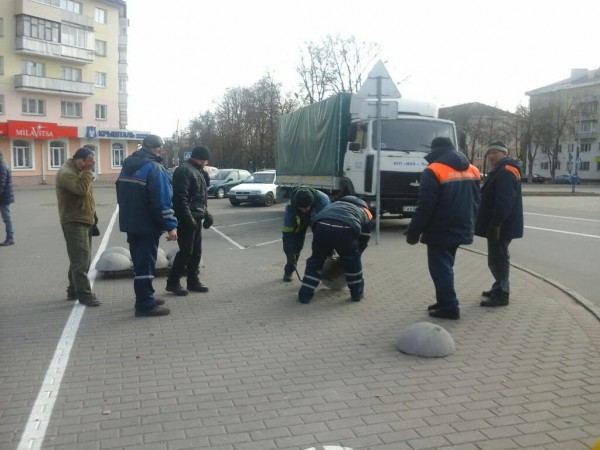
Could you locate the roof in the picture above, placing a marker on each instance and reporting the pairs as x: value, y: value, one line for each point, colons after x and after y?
x: 579, y: 78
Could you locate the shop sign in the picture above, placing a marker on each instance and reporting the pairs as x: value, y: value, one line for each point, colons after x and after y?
x: 39, y: 130
x: 94, y: 133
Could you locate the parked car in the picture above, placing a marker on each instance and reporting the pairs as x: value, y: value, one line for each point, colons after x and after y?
x: 567, y: 178
x: 260, y: 189
x: 536, y: 178
x: 225, y: 180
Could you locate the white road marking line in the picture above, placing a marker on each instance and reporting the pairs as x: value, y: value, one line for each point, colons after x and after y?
x: 224, y: 236
x: 562, y: 217
x: 39, y: 418
x: 564, y: 232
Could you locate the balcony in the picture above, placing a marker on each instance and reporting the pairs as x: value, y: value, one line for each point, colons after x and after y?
x: 588, y: 135
x: 54, y: 50
x: 47, y: 12
x: 32, y: 83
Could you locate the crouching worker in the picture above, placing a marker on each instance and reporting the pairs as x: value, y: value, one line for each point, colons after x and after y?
x: 343, y: 226
x: 304, y: 204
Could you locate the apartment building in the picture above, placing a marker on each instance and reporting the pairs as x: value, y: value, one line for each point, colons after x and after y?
x: 63, y: 85
x: 573, y: 142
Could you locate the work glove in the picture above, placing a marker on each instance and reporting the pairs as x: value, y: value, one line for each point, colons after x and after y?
x: 411, y: 238
x: 292, y: 259
x: 493, y: 232
x: 95, y: 229
x: 208, y: 221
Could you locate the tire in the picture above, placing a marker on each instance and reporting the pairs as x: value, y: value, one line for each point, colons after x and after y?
x: 220, y: 193
x: 234, y: 202
x: 269, y: 199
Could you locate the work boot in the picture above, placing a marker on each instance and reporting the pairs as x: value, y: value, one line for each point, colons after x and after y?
x: 176, y: 288
x: 357, y: 297
x: 434, y: 306
x: 287, y: 277
x: 8, y: 242
x: 305, y: 298
x: 89, y: 300
x: 445, y: 314
x: 71, y: 296
x: 159, y: 301
x: 487, y: 293
x: 153, y: 312
x: 498, y: 298
x: 197, y: 287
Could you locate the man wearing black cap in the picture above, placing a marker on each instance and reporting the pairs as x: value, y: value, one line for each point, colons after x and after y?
x: 445, y: 219
x: 145, y: 212
x: 500, y: 219
x: 189, y: 202
x: 77, y: 212
x: 305, y: 202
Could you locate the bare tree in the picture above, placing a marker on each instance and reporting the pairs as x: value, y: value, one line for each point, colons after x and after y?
x: 333, y: 65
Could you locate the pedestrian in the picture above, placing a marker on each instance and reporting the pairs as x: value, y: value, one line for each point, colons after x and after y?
x: 6, y: 198
x: 77, y: 212
x: 344, y: 226
x: 305, y: 203
x: 145, y: 213
x: 190, y: 205
x: 445, y: 218
x: 500, y: 219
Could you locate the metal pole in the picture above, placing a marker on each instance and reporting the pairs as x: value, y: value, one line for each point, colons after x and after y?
x: 378, y: 143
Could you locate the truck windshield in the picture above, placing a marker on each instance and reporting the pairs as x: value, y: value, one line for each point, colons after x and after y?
x: 411, y: 135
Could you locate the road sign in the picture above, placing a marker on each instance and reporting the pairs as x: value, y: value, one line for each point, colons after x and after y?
x: 388, y: 87
x: 187, y: 155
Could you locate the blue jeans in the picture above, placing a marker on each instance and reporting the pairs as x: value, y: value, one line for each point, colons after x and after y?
x: 441, y: 268
x: 143, y: 249
x: 10, y: 232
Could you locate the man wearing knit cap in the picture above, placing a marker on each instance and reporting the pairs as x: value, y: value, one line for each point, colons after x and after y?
x: 145, y: 213
x: 77, y: 212
x: 500, y: 219
x: 305, y: 203
x: 190, y: 205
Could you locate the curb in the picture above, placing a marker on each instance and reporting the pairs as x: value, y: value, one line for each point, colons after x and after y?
x: 587, y: 304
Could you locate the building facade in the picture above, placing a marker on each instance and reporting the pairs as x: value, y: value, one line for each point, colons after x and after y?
x: 573, y: 142
x: 63, y: 85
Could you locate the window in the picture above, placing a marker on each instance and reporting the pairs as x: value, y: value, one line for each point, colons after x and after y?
x: 1, y: 103
x: 118, y: 155
x: 587, y: 126
x: 100, y: 15
x: 67, y: 5
x: 587, y: 147
x: 70, y: 74
x: 75, y: 36
x: 1, y: 27
x: 33, y: 106
x: 122, y: 84
x: 1, y: 65
x: 70, y: 109
x: 479, y: 154
x: 100, y: 48
x: 35, y: 28
x: 584, y: 166
x: 546, y: 149
x: 544, y: 166
x: 559, y: 148
x: 100, y: 79
x: 557, y: 165
x: 22, y: 157
x: 101, y: 112
x: 58, y: 154
x: 571, y: 148
x: 33, y: 68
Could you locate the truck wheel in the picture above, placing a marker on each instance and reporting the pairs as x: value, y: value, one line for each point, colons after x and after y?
x: 234, y: 202
x: 220, y: 192
x: 269, y: 199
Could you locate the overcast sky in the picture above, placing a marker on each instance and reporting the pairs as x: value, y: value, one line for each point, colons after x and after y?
x: 184, y: 54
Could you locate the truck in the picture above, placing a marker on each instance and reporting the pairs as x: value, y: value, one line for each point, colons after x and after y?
x: 332, y: 145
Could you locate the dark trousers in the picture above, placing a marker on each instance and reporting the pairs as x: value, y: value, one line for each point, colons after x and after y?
x: 499, y: 264
x: 326, y: 239
x: 292, y: 245
x: 78, y: 237
x: 189, y: 239
x: 441, y: 268
x: 143, y: 249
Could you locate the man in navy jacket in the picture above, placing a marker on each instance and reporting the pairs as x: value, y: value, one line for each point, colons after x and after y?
x: 445, y: 219
x: 500, y: 219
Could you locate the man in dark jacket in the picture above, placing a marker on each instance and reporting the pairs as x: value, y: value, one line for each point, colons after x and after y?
x: 189, y: 203
x: 500, y: 218
x: 305, y: 203
x: 145, y: 212
x: 343, y: 226
x: 445, y: 219
x: 6, y: 198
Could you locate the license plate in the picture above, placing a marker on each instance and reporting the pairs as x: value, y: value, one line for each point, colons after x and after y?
x: 409, y: 208
x: 242, y: 197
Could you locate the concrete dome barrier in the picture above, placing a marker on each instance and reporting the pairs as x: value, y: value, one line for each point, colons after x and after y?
x: 426, y: 339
